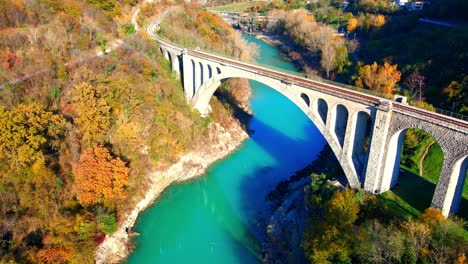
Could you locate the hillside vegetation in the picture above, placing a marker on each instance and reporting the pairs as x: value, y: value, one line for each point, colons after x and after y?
x: 80, y: 133
x: 347, y: 226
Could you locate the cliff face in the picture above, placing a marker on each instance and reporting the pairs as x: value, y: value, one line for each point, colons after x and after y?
x: 288, y: 214
x: 286, y: 224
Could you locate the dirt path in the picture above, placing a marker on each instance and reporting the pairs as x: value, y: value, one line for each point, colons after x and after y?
x: 421, y: 169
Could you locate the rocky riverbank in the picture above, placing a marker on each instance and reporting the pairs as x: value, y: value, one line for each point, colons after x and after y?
x: 288, y: 211
x: 220, y: 142
x: 297, y: 55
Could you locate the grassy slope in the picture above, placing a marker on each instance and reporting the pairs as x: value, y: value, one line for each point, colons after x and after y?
x: 412, y: 195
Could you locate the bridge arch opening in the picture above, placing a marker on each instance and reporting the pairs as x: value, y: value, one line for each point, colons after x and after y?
x: 321, y: 107
x: 194, y: 78
x: 414, y: 162
x: 201, y: 73
x: 210, y: 71
x: 218, y: 70
x: 361, y: 142
x: 306, y: 99
x: 340, y: 123
x: 170, y: 59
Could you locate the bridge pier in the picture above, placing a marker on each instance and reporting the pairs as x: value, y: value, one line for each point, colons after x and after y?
x: 187, y: 78
x: 376, y: 165
x: 175, y: 65
x: 448, y: 192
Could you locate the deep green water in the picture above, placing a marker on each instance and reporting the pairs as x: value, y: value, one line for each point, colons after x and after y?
x: 215, y: 218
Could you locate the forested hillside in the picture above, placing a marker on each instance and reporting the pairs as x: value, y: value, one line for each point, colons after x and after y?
x: 79, y: 132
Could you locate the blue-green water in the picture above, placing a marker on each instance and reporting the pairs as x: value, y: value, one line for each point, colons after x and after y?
x: 215, y: 218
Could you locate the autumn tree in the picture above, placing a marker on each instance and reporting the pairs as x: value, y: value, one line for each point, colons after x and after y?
x: 28, y: 132
x: 418, y: 236
x: 100, y: 178
x: 378, y: 21
x: 352, y: 24
x: 378, y: 243
x: 379, y: 78
x: 92, y: 114
x: 342, y: 209
x: 10, y: 60
x: 457, y: 95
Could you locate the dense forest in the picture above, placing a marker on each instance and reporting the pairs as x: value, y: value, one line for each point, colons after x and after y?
x: 82, y: 128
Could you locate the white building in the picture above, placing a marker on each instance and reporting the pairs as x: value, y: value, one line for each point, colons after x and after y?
x: 415, y: 6
x: 401, y: 3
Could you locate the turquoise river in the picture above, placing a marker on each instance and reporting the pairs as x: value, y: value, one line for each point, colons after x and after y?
x: 215, y: 218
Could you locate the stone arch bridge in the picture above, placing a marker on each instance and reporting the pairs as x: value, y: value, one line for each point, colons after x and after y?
x: 347, y: 119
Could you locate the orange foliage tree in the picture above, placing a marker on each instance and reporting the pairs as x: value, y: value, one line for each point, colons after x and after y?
x: 10, y: 60
x: 99, y: 178
x: 53, y: 255
x: 380, y: 78
x: 352, y: 24
x: 379, y: 21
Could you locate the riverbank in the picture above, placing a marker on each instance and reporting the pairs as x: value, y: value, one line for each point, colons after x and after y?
x: 222, y: 140
x: 289, y: 210
x: 219, y: 143
x: 291, y: 52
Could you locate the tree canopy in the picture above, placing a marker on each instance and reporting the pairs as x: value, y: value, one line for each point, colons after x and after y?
x: 99, y: 178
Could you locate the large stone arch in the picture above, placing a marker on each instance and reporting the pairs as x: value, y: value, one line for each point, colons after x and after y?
x: 454, y: 149
x: 394, y: 148
x: 203, y: 96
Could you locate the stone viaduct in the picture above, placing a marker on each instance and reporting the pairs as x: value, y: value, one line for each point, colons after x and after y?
x: 365, y: 132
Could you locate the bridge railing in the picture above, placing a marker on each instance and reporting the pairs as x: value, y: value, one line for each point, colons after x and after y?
x: 452, y: 114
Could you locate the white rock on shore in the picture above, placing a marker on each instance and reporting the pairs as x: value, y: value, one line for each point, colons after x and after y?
x: 193, y: 164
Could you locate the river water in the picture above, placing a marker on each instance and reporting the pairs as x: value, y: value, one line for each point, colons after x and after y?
x: 215, y: 218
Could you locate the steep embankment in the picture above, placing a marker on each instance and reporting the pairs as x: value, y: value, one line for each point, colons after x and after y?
x: 220, y: 142
x: 289, y: 210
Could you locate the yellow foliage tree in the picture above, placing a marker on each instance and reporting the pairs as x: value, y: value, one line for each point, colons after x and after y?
x: 27, y: 131
x: 352, y: 24
x: 432, y: 216
x: 92, y: 114
x: 379, y: 21
x: 380, y: 78
x: 99, y: 178
x: 342, y: 209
